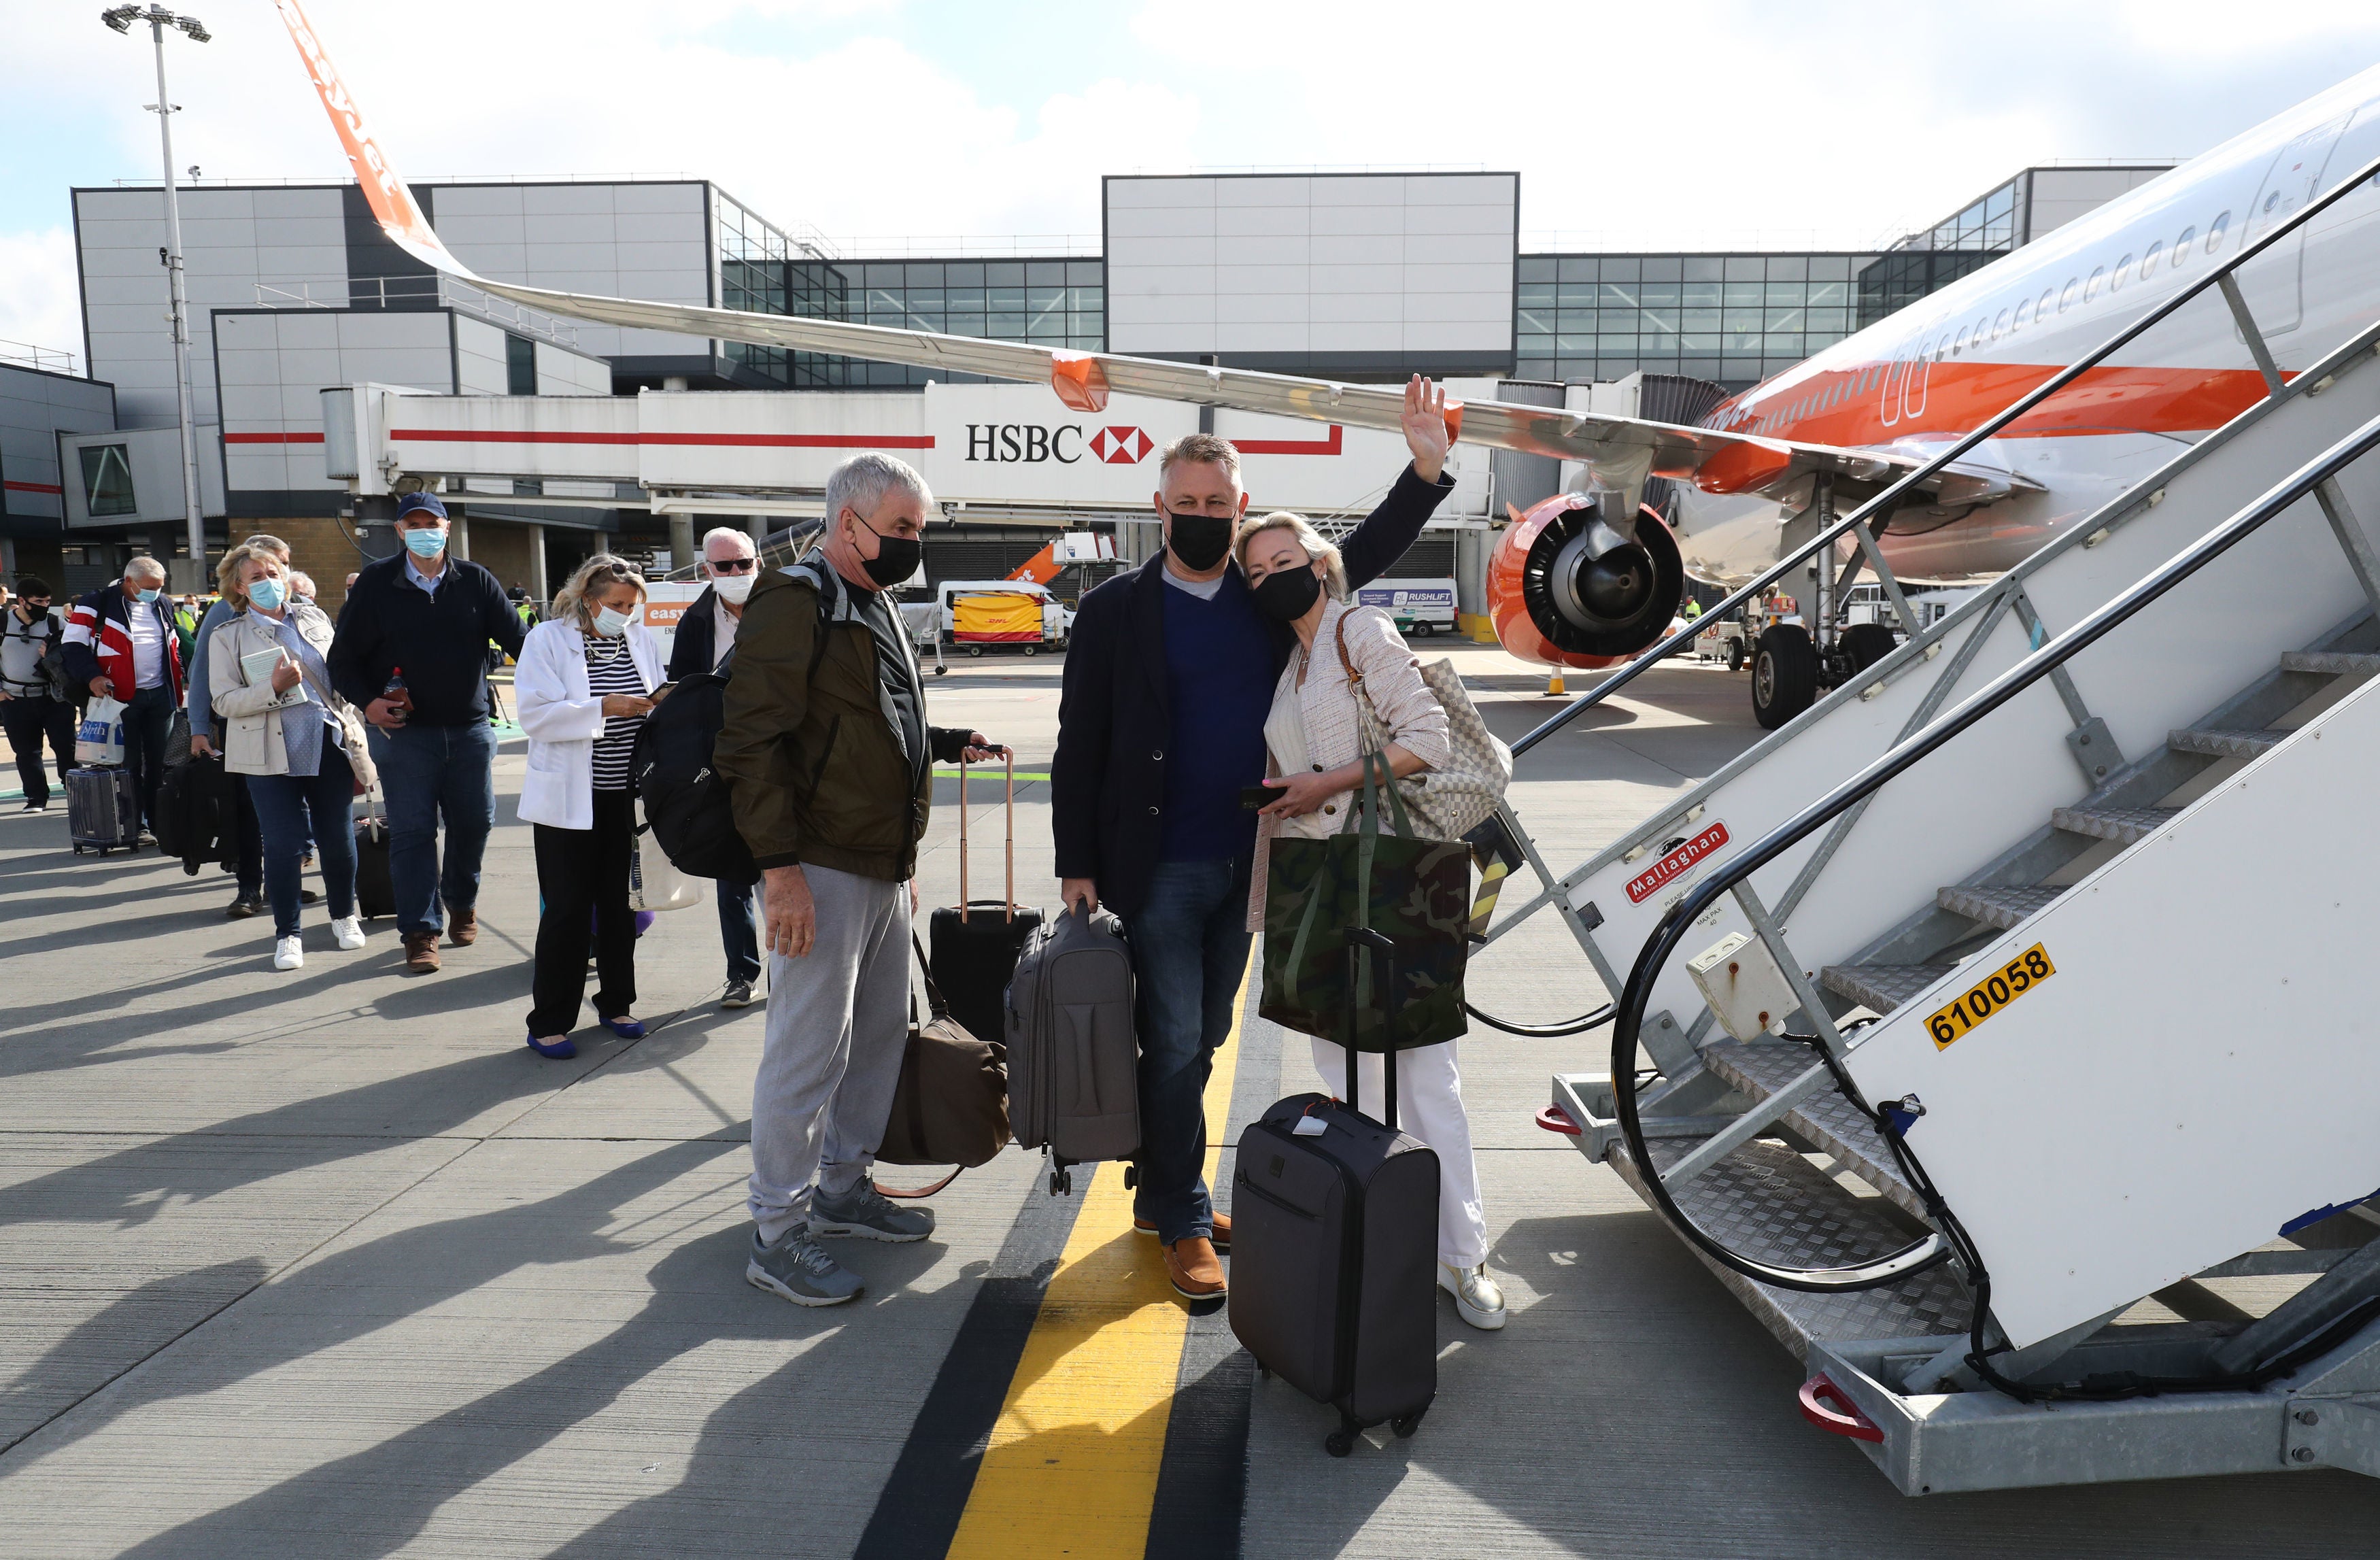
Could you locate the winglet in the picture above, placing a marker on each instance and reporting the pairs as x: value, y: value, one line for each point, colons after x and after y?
x: 392, y: 202
x: 1079, y: 380
x: 1453, y: 420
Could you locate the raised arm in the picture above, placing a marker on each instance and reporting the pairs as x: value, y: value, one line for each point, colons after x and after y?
x: 1388, y: 531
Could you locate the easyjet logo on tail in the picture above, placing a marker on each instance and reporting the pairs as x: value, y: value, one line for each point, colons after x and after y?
x: 391, y: 201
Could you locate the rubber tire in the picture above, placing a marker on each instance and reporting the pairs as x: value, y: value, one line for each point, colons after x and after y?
x: 1338, y: 1443
x: 941, y: 671
x: 1867, y: 643
x: 1423, y: 631
x: 975, y: 649
x: 1404, y: 1425
x: 1784, y: 675
x: 1735, y: 655
x: 1032, y: 650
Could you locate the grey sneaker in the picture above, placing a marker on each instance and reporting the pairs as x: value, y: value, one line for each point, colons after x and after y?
x: 738, y: 995
x: 867, y: 1213
x: 799, y: 1269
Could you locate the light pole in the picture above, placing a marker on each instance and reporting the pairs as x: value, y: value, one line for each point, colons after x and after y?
x: 121, y: 19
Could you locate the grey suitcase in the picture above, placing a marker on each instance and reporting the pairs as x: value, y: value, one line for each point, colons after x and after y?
x: 1334, y: 1250
x: 1074, y: 1083
x: 103, y: 810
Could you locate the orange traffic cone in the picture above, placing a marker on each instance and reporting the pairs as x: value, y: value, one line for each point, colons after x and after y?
x: 1554, y: 683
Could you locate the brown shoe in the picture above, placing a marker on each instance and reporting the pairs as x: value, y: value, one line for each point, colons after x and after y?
x: 1197, y: 1273
x: 421, y: 953
x: 462, y: 927
x: 1223, y: 1231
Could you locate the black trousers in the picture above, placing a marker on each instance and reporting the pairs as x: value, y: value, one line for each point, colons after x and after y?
x: 27, y: 722
x: 583, y: 873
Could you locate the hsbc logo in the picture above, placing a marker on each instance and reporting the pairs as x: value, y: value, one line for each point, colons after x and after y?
x: 1033, y: 444
x: 1122, y: 446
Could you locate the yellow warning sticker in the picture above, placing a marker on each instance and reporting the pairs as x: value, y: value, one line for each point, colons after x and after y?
x: 1989, y: 995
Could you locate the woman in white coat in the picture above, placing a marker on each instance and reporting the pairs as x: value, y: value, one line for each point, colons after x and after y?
x: 584, y: 685
x: 1314, y: 741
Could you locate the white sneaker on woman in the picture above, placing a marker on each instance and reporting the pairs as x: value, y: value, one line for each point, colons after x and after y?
x: 348, y: 932
x: 1476, y: 1296
x: 288, y: 954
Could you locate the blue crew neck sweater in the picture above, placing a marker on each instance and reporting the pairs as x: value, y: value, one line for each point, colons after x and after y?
x: 1219, y: 682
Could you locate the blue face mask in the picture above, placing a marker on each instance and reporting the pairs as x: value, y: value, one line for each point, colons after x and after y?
x: 268, y: 593
x: 426, y: 543
x: 150, y: 595
x: 610, y: 624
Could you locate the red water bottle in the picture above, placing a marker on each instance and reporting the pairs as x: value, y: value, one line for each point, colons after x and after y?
x: 399, y: 698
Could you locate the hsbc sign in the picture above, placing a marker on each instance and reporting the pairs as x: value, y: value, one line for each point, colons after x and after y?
x: 1033, y: 443
x: 1122, y: 446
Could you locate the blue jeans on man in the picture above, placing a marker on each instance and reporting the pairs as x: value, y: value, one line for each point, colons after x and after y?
x: 1190, y: 951
x: 430, y: 772
x: 739, y: 931
x: 147, y: 719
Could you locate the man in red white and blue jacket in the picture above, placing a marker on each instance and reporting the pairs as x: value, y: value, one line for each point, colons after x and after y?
x: 119, y: 644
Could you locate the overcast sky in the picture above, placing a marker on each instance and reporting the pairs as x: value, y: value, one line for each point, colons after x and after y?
x: 1689, y: 123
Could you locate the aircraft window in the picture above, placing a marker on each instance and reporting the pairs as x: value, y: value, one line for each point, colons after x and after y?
x: 2023, y: 306
x: 2182, y: 245
x: 2090, y: 287
x: 2066, y: 297
x: 1961, y: 344
x: 2041, y: 309
x: 2149, y: 259
x: 2000, y: 325
x: 2215, y: 232
x: 1982, y: 324
x: 2116, y: 281
x: 2271, y: 201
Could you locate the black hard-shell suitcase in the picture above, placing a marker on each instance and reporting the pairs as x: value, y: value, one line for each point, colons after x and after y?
x: 103, y: 810
x: 975, y: 944
x: 1334, y: 1250
x: 375, y: 894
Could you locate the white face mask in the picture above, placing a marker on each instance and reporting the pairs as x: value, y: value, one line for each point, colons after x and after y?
x: 610, y: 624
x: 734, y: 588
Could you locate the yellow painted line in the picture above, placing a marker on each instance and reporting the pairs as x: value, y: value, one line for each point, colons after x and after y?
x: 1071, y: 1467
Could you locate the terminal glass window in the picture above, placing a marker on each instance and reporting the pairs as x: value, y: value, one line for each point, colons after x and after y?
x: 107, y: 479
x: 1731, y: 319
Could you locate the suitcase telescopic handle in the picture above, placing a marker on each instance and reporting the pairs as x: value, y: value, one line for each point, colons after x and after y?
x: 1358, y: 938
x: 1009, y: 914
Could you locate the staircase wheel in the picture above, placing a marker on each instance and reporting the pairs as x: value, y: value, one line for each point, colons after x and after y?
x: 1784, y: 675
x: 1867, y: 643
x: 1735, y: 655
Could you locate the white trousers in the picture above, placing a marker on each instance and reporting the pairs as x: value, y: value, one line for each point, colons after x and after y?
x: 1429, y: 1107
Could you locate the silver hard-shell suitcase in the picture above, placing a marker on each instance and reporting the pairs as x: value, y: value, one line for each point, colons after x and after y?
x: 103, y: 810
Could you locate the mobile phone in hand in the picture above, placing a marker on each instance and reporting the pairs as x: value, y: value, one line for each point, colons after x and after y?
x: 1255, y: 798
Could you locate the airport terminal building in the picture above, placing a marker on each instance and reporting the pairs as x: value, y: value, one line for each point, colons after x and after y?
x: 294, y: 291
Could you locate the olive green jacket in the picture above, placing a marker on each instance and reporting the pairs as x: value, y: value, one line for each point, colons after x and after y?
x: 808, y: 743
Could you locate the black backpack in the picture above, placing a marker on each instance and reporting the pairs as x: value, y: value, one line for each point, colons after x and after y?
x: 687, y: 803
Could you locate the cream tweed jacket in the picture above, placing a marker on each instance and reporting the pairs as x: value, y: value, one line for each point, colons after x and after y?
x: 1326, y: 710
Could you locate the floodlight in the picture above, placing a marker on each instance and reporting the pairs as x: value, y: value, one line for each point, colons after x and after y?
x: 121, y: 18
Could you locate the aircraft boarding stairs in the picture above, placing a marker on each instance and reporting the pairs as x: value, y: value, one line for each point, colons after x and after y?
x: 2083, y: 880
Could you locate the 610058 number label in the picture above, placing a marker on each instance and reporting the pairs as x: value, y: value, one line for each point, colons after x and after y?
x: 1989, y: 995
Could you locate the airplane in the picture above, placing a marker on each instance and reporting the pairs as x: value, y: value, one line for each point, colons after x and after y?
x: 1587, y: 580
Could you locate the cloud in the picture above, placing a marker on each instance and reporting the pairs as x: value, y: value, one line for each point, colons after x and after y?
x: 42, y: 303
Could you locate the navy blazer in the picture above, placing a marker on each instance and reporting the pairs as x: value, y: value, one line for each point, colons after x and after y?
x: 697, y: 632
x: 1108, y: 777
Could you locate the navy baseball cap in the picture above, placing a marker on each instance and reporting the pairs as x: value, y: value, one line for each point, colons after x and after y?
x: 420, y: 501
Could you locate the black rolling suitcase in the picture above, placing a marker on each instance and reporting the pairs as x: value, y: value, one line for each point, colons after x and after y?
x: 975, y: 944
x: 1334, y: 1250
x: 103, y: 810
x: 375, y: 894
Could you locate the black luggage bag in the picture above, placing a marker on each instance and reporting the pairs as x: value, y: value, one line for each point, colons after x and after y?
x: 975, y: 944
x: 375, y: 894
x: 103, y: 810
x: 1334, y: 1252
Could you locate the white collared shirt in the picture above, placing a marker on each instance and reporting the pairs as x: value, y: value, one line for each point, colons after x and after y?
x: 428, y: 582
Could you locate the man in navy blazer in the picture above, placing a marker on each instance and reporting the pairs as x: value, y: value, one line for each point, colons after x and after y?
x: 1170, y: 676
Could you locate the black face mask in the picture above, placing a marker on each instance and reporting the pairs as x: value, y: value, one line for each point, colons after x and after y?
x: 1285, y: 595
x: 896, y: 558
x: 1200, y: 540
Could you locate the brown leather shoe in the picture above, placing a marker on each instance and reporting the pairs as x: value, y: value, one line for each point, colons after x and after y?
x: 462, y: 927
x: 1223, y: 1231
x: 421, y: 953
x: 1197, y: 1272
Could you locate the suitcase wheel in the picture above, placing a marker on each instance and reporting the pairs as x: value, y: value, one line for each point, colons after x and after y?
x: 1062, y: 1183
x: 1340, y: 1442
x: 1405, y: 1424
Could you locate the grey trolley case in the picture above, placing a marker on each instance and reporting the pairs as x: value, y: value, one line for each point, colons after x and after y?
x: 103, y: 811
x: 1334, y: 1247
x: 1073, y: 1063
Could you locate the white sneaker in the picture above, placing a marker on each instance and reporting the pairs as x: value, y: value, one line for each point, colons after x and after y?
x: 1476, y: 1296
x: 288, y: 954
x: 348, y: 932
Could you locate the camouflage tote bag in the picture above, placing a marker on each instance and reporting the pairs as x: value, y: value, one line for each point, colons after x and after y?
x: 1414, y: 891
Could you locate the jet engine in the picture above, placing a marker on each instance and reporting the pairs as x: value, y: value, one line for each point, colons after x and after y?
x: 1569, y: 587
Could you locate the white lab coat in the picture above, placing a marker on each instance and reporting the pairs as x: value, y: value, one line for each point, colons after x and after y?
x: 563, y: 718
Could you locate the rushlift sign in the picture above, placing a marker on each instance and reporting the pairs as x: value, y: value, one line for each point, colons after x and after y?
x: 1676, y: 863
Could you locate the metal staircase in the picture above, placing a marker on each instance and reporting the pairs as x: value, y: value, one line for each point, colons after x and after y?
x: 2026, y: 1268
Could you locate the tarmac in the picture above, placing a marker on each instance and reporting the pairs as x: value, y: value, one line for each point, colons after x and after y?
x: 328, y: 1264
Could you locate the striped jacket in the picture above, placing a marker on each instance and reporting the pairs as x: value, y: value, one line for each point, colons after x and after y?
x: 98, y: 641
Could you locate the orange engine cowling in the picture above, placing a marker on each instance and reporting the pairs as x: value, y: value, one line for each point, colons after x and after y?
x: 1566, y: 588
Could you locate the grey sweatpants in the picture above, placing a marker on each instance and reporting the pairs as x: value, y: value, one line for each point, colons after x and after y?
x: 831, y: 1054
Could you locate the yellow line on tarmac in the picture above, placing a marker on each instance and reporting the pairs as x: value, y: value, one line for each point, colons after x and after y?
x: 1071, y: 1467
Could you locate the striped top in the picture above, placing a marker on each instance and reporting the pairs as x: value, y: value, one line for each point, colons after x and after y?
x: 607, y: 674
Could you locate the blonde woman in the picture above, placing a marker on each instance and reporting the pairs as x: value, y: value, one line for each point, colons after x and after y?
x: 1314, y: 745
x: 299, y: 745
x: 585, y: 685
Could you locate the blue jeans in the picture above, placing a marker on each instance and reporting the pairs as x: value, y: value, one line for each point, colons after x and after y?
x: 738, y: 931
x: 147, y: 718
x: 1189, y: 950
x: 293, y: 809
x: 429, y: 772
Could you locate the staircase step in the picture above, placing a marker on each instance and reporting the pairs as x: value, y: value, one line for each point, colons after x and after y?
x: 2125, y: 825
x: 1881, y: 986
x: 2221, y: 744
x: 1825, y: 1118
x: 1997, y: 905
x: 2333, y: 662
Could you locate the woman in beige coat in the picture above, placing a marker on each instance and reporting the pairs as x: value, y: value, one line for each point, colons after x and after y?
x: 1315, y: 742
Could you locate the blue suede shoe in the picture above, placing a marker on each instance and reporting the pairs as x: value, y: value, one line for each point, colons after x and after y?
x: 627, y: 1028
x: 560, y: 1050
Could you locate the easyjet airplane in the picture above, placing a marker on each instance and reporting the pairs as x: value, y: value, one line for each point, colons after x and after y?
x: 1586, y: 579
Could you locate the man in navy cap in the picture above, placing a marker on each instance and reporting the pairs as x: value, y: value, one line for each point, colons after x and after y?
x: 412, y: 653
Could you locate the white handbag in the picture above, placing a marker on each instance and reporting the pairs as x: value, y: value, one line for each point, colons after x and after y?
x: 653, y: 882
